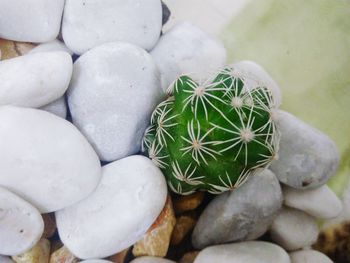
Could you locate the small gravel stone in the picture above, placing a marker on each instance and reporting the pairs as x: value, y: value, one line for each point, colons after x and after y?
x: 55, y: 45
x: 293, y: 229
x: 151, y: 260
x: 307, y: 157
x: 244, y: 252
x: 242, y: 214
x: 187, y: 49
x: 320, y: 202
x: 309, y: 256
x: 32, y: 21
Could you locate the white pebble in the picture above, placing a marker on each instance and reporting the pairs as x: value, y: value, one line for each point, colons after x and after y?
x: 186, y: 49
x: 57, y: 107
x: 4, y: 259
x: 21, y: 224
x: 293, y: 229
x: 151, y: 260
x: 129, y: 198
x: 45, y: 159
x: 34, y: 80
x: 55, y: 45
x: 309, y: 256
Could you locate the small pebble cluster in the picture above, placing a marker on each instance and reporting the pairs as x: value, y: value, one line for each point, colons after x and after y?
x: 74, y: 186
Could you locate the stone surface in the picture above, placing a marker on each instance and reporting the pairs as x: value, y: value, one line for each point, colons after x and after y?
x: 187, y: 49
x: 45, y: 159
x: 320, y: 202
x: 156, y: 241
x: 49, y: 225
x: 293, y: 229
x: 34, y: 80
x: 309, y: 256
x: 4, y: 259
x: 11, y: 49
x: 184, y: 224
x: 151, y: 260
x: 257, y: 75
x: 120, y: 257
x: 186, y: 203
x: 32, y: 21
x: 128, y: 200
x: 55, y: 45
x: 244, y: 252
x: 57, y: 107
x: 21, y: 224
x: 111, y: 102
x: 189, y: 257
x: 63, y: 255
x: 242, y: 214
x: 87, y: 24
x: 40, y: 253
x: 307, y: 157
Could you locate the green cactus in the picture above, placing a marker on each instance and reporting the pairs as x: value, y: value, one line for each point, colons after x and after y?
x: 211, y: 136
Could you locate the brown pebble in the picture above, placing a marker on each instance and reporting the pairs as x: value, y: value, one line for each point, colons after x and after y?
x: 188, y: 202
x: 184, y: 224
x: 50, y: 225
x: 11, y: 49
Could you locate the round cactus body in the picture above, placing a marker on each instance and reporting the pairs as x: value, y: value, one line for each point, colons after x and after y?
x: 212, y: 135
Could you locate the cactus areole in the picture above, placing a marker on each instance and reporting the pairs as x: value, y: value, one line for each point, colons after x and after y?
x: 213, y: 135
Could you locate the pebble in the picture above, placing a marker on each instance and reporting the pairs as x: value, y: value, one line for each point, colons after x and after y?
x: 4, y: 259
x: 242, y: 214
x: 31, y: 21
x: 11, y: 49
x: 320, y: 202
x: 184, y: 203
x: 111, y: 102
x: 21, y: 224
x: 63, y: 255
x: 309, y: 256
x: 55, y: 45
x: 118, y: 213
x: 57, y: 107
x: 151, y: 260
x: 96, y: 261
x: 257, y: 75
x: 307, y: 157
x: 87, y: 24
x: 156, y: 241
x: 187, y: 49
x: 34, y: 80
x: 293, y: 229
x: 45, y: 159
x: 40, y: 253
x: 184, y: 224
x: 244, y: 252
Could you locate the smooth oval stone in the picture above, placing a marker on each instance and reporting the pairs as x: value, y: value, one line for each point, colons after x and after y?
x: 151, y: 260
x: 32, y: 21
x: 4, y: 259
x: 34, y: 80
x: 244, y: 252
x: 57, y: 107
x: 114, y: 89
x: 242, y: 214
x: 293, y: 229
x: 309, y: 256
x: 307, y: 158
x: 55, y: 45
x: 320, y: 202
x: 129, y: 198
x: 21, y: 224
x: 259, y: 77
x: 186, y: 49
x: 87, y: 24
x: 45, y: 159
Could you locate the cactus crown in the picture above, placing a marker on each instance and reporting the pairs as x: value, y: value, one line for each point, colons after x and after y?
x: 212, y: 135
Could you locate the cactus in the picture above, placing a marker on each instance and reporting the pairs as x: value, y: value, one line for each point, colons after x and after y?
x: 212, y: 135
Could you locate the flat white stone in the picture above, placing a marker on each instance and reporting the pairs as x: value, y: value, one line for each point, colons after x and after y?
x: 34, y: 80
x: 307, y: 158
x: 129, y: 198
x: 57, y: 107
x: 55, y: 45
x: 244, y: 252
x: 45, y: 159
x: 243, y: 214
x: 257, y: 75
x: 114, y: 90
x: 186, y: 49
x: 90, y: 23
x: 151, y: 260
x: 309, y: 256
x: 293, y: 229
x: 21, y: 224
x: 30, y: 21
x: 4, y: 259
x: 320, y: 202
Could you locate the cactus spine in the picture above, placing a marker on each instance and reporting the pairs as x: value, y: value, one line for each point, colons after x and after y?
x: 212, y: 135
